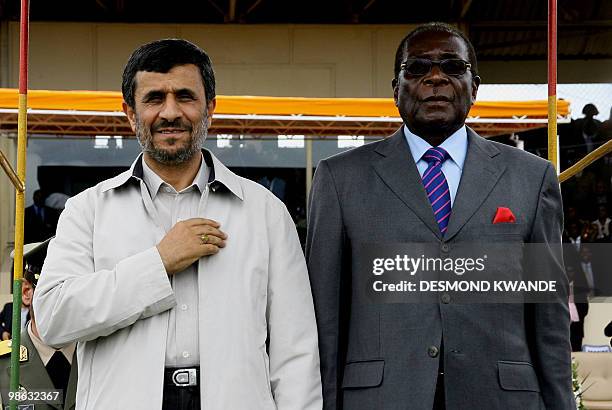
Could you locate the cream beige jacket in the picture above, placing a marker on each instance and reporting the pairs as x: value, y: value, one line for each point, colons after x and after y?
x: 104, y: 285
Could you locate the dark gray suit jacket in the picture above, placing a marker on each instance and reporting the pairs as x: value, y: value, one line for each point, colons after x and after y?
x: 378, y: 356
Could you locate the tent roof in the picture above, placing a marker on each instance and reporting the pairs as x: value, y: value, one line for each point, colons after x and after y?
x: 99, y: 112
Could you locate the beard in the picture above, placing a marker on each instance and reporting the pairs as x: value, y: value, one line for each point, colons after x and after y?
x: 197, y: 135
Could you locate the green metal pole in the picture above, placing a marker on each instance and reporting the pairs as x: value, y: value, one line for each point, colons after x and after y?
x: 20, y: 197
x: 15, y: 340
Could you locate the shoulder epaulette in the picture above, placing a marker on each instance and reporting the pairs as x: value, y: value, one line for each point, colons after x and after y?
x: 5, y: 347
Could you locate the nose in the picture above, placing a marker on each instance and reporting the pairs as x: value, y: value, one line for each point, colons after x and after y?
x: 436, y: 77
x: 171, y: 109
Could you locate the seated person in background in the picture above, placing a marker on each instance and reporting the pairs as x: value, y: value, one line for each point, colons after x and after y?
x: 6, y: 315
x: 42, y: 368
x: 573, y: 233
x: 602, y: 224
x: 602, y: 195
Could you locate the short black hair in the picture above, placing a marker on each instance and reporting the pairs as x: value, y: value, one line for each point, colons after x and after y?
x: 435, y: 27
x: 161, y: 56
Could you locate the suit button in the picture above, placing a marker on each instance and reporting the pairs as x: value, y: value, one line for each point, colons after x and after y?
x: 445, y: 298
x: 433, y: 351
x: 445, y: 247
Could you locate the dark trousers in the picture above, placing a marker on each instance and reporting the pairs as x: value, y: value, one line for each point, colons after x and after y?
x: 181, y: 398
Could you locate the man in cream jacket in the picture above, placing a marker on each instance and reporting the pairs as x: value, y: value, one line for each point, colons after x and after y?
x: 183, y: 284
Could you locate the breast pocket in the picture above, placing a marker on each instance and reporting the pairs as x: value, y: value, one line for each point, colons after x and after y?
x: 502, y: 230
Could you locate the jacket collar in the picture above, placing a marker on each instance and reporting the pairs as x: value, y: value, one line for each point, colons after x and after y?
x: 220, y: 177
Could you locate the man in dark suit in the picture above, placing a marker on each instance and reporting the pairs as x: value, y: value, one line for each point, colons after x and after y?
x: 437, y: 182
x: 38, y: 220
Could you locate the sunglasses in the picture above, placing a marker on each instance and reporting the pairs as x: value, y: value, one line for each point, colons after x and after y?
x: 422, y: 66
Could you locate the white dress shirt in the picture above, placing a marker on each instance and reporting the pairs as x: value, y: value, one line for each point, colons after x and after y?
x: 603, y: 229
x: 456, y: 145
x: 172, y: 207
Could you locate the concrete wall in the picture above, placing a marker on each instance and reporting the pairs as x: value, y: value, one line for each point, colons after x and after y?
x: 285, y: 60
x: 281, y: 60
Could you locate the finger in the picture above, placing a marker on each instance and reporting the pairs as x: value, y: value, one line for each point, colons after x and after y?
x: 202, y: 221
x: 211, y: 239
x: 210, y: 230
x: 209, y: 249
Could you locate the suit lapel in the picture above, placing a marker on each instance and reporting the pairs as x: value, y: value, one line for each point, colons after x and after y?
x: 481, y: 172
x: 398, y: 171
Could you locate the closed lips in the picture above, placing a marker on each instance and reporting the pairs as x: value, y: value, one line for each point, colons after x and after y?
x: 437, y: 98
x: 171, y: 131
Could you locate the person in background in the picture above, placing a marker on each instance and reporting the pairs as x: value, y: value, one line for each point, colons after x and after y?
x: 6, y: 315
x: 572, y: 233
x: 579, y: 293
x: 42, y: 368
x: 589, y: 269
x: 38, y: 220
x: 586, y: 130
x: 605, y: 131
x: 602, y: 194
x: 602, y: 225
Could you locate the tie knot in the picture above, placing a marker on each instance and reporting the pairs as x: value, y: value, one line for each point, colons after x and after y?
x: 435, y: 155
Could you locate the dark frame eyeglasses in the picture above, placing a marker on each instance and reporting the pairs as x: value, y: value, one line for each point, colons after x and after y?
x: 422, y: 66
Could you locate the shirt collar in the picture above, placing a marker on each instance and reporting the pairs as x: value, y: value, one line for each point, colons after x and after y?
x: 45, y: 352
x: 456, y: 145
x: 154, y: 181
x: 219, y: 176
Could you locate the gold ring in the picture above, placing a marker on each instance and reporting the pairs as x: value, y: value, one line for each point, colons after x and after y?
x: 204, y: 239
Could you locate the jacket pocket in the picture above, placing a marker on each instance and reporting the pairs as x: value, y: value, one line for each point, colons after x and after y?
x: 517, y: 376
x: 363, y: 374
x: 503, y: 229
x: 268, y: 386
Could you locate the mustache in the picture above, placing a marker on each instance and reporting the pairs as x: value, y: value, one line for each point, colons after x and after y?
x: 178, y: 123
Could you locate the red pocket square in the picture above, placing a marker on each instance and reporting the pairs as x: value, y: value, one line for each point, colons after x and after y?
x: 504, y: 215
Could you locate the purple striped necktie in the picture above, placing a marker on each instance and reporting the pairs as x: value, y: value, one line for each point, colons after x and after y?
x: 436, y: 186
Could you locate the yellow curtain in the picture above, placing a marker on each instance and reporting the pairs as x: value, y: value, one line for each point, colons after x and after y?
x: 358, y: 107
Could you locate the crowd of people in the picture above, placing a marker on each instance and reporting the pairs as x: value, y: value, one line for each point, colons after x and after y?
x: 587, y: 199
